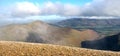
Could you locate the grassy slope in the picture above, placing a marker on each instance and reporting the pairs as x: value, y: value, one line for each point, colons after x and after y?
x: 8, y: 48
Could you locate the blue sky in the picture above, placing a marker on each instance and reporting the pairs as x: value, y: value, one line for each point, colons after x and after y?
x: 76, y: 2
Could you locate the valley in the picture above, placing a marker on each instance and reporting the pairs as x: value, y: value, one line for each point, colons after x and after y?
x: 105, y: 27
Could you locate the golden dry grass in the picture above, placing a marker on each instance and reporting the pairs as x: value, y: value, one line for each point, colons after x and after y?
x: 8, y: 48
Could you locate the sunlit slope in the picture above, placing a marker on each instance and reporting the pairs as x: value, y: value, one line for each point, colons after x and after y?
x: 33, y: 49
x: 45, y: 33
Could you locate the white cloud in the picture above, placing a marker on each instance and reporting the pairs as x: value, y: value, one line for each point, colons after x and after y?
x: 71, y: 10
x: 99, y: 17
x: 25, y: 9
x: 51, y: 8
x: 22, y: 9
x: 112, y: 7
x: 102, y: 8
x: 94, y: 8
x: 60, y: 9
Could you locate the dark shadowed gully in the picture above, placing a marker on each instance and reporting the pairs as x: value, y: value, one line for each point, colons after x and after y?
x: 34, y: 37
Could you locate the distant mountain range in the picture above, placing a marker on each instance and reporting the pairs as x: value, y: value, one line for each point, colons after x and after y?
x: 102, y: 26
x: 89, y: 22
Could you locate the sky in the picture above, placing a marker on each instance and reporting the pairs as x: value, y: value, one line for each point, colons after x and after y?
x: 77, y: 2
x: 49, y: 7
x: 22, y: 9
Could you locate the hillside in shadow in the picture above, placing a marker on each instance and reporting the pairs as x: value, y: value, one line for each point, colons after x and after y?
x: 107, y: 43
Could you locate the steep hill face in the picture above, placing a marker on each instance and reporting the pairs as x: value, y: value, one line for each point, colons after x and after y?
x: 8, y: 48
x: 107, y: 43
x: 41, y: 32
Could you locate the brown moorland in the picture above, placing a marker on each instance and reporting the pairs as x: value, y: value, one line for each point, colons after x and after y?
x: 42, y: 32
x: 9, y: 48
